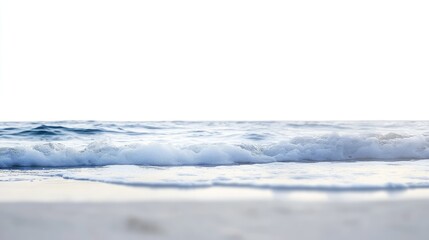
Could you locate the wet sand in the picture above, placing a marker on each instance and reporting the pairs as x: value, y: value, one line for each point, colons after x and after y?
x: 88, y: 210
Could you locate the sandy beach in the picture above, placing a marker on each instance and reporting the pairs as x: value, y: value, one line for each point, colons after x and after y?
x: 215, y: 220
x: 65, y: 209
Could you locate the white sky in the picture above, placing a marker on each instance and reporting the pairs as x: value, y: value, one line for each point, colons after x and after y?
x: 214, y: 60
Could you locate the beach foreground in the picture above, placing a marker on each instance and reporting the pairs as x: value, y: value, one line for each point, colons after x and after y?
x: 66, y: 209
x: 215, y: 220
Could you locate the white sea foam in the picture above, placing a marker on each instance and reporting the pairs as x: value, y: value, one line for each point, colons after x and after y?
x: 328, y: 147
x: 320, y: 176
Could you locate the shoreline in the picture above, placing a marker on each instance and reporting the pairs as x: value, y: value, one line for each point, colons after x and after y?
x: 72, y: 209
x: 68, y: 190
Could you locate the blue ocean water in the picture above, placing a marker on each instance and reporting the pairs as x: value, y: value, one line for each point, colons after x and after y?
x: 362, y: 155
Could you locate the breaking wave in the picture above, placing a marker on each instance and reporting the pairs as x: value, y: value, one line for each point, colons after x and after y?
x: 328, y: 147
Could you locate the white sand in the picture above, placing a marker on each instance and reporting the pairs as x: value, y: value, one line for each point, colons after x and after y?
x: 84, y: 210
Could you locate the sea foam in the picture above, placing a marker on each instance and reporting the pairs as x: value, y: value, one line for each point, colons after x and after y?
x: 327, y: 147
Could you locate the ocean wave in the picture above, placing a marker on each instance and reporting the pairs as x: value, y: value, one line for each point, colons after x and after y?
x: 45, y: 131
x: 50, y: 130
x: 330, y: 147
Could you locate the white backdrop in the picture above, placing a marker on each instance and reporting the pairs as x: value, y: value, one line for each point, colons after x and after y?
x: 213, y: 60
